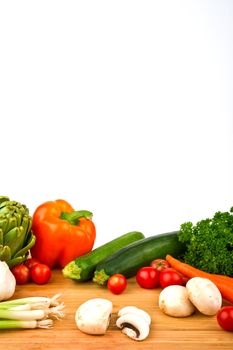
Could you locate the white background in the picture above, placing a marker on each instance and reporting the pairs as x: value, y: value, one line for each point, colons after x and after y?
x: 123, y: 108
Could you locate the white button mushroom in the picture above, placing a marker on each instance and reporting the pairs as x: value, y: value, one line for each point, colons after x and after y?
x: 93, y: 316
x: 135, y: 310
x: 134, y: 326
x: 205, y: 295
x: 134, y: 322
x: 174, y: 301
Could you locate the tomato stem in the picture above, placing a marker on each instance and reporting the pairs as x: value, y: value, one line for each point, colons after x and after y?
x: 73, y: 217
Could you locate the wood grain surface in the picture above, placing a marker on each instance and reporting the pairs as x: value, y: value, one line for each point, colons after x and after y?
x: 194, y: 332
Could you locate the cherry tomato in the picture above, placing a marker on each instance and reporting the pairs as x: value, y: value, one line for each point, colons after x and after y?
x: 31, y: 262
x: 117, y: 283
x: 159, y: 264
x: 225, y: 318
x: 170, y: 277
x: 147, y: 277
x: 40, y: 273
x: 185, y: 278
x: 21, y: 273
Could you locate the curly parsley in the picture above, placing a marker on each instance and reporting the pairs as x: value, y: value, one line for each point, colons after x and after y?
x: 210, y: 243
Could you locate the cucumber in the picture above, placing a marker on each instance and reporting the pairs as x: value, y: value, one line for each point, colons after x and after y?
x: 82, y: 268
x: 128, y: 260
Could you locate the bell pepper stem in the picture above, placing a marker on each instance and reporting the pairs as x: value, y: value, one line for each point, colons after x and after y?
x: 74, y: 216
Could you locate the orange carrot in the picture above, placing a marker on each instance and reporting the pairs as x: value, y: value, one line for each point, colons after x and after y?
x: 224, y: 283
x: 223, y: 278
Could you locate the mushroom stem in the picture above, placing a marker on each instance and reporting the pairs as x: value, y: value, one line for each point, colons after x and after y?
x: 134, y: 326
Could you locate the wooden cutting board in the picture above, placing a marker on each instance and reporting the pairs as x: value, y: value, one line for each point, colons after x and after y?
x: 194, y: 332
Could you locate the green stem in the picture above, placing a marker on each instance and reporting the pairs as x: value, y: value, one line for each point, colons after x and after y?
x: 100, y: 277
x: 71, y: 270
x: 73, y: 218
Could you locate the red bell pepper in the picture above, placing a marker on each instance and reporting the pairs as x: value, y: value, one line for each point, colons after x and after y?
x: 62, y: 234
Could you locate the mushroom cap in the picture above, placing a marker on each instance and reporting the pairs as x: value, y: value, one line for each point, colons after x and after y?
x: 134, y: 326
x: 174, y: 301
x: 204, y: 295
x: 136, y: 311
x: 93, y: 316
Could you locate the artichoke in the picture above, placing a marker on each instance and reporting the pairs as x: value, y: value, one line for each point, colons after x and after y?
x: 16, y: 236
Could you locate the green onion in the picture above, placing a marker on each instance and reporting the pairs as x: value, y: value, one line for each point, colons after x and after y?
x: 38, y: 314
x: 22, y: 315
x: 8, y: 324
x: 17, y: 307
x: 33, y: 312
x: 33, y: 300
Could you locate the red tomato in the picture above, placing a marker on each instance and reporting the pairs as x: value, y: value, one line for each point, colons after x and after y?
x: 41, y: 273
x: 117, y: 283
x: 159, y: 264
x: 225, y: 318
x: 31, y: 262
x: 147, y: 277
x: 185, y: 279
x: 170, y: 277
x: 21, y: 273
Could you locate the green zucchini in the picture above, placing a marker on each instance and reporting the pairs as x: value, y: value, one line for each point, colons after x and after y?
x: 83, y: 267
x: 128, y: 260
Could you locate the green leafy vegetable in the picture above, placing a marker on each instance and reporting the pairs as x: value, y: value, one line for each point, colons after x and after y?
x: 210, y: 243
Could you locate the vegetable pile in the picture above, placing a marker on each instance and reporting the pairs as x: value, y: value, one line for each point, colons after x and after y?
x: 209, y: 243
x: 192, y: 266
